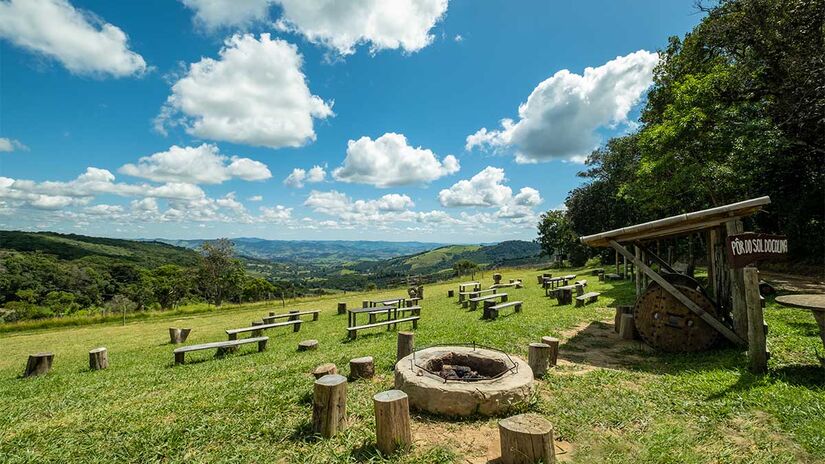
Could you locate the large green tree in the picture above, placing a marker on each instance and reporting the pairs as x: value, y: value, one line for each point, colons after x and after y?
x: 220, y: 273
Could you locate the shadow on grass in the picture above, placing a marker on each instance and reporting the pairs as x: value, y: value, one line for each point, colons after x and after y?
x: 303, y: 433
x: 366, y: 452
x: 800, y: 375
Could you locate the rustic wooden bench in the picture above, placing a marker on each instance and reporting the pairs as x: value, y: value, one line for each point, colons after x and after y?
x: 588, y: 297
x: 612, y: 277
x: 564, y: 295
x: 257, y: 329
x: 413, y: 301
x: 222, y: 347
x: 516, y: 284
x: 473, y: 302
x: 393, y: 312
x: 353, y: 331
x: 292, y: 315
x: 491, y: 311
x: 462, y: 296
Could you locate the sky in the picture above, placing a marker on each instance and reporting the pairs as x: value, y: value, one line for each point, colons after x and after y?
x: 429, y: 120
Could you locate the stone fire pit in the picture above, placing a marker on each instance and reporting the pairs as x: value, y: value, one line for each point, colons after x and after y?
x: 461, y: 381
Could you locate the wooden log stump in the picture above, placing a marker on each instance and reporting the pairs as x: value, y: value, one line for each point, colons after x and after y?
x: 627, y: 329
x: 293, y: 315
x: 38, y: 364
x: 539, y: 359
x: 392, y: 421
x: 526, y: 439
x: 257, y: 333
x: 539, y: 279
x: 553, y: 343
x: 329, y: 405
x: 177, y: 336
x: 297, y: 327
x: 496, y: 278
x: 325, y: 369
x: 361, y: 368
x: 450, y: 293
x: 617, y: 319
x: 98, y: 359
x: 342, y: 308
x: 308, y: 345
x: 406, y: 342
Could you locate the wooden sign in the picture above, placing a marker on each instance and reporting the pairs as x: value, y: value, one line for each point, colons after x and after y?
x: 743, y: 249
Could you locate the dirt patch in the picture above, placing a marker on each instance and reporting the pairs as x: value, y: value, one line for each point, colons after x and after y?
x: 592, y: 345
x: 474, y: 443
x: 793, y: 283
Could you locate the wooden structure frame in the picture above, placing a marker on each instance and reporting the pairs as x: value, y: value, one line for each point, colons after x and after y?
x: 730, y: 287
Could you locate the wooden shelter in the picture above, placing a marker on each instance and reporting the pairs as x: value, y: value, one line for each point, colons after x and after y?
x: 738, y: 313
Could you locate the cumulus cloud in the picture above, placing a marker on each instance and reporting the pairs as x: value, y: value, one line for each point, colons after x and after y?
x: 254, y: 94
x: 390, y: 161
x: 341, y: 25
x: 561, y: 116
x: 487, y: 189
x: 213, y: 14
x: 276, y: 213
x: 81, y: 41
x: 298, y: 177
x: 9, y: 145
x: 196, y: 165
x: 335, y: 203
x: 255, y: 198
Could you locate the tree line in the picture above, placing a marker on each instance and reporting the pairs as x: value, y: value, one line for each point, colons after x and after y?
x: 736, y: 111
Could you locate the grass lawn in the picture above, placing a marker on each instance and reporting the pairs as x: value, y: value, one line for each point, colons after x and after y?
x: 609, y: 400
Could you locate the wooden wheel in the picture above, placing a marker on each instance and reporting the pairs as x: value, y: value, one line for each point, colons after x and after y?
x: 666, y: 324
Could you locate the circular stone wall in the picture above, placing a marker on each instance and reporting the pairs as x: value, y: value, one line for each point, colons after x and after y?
x: 429, y: 392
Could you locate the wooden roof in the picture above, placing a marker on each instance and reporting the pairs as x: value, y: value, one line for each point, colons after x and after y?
x: 678, y: 225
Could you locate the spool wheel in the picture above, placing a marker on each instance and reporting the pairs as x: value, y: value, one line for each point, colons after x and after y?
x: 666, y: 324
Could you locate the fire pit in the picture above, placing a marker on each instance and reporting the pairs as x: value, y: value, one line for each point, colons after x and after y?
x: 463, y: 380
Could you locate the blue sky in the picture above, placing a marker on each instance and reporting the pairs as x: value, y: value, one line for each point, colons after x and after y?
x: 185, y: 119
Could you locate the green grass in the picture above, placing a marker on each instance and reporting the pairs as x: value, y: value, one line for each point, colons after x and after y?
x: 617, y: 403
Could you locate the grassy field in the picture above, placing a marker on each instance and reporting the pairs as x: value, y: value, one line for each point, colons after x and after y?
x: 609, y: 400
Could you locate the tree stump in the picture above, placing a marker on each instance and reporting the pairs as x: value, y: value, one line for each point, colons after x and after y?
x: 617, y: 320
x: 406, y: 342
x: 98, y: 359
x: 342, y: 308
x: 496, y: 278
x: 39, y: 363
x: 539, y: 359
x: 361, y: 368
x: 526, y: 439
x: 450, y: 293
x: 392, y: 421
x: 553, y: 343
x: 325, y: 369
x: 307, y: 345
x: 178, y: 335
x: 627, y: 329
x: 329, y: 405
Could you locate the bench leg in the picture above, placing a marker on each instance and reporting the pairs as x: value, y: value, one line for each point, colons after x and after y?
x: 314, y: 316
x: 415, y: 324
x: 518, y: 308
x: 262, y: 345
x: 233, y: 336
x: 504, y: 299
x: 352, y: 334
x: 296, y: 327
x: 179, y: 358
x: 579, y: 303
x: 493, y: 314
x: 372, y: 318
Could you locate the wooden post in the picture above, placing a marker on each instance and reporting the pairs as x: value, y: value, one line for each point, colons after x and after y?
x: 710, y: 258
x: 450, y: 293
x: 293, y: 316
x: 406, y: 342
x: 739, y: 309
x: 308, y: 345
x: 538, y: 358
x: 617, y: 319
x: 617, y: 262
x: 324, y: 369
x: 38, y: 364
x: 256, y: 333
x: 361, y: 368
x: 297, y: 327
x: 98, y: 359
x: 627, y: 330
x: 365, y: 303
x: 638, y: 271
x: 329, y: 405
x: 553, y: 343
x: 392, y: 421
x: 757, y: 348
x: 526, y: 439
x: 342, y: 308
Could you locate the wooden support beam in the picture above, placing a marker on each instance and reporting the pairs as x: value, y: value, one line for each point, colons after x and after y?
x: 637, y: 270
x: 757, y: 347
x: 739, y: 309
x: 662, y: 263
x: 720, y: 327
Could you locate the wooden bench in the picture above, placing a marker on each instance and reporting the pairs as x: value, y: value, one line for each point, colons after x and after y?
x: 514, y: 284
x: 564, y: 295
x: 292, y: 315
x: 389, y: 301
x: 491, y: 310
x: 257, y: 329
x: 353, y: 331
x: 473, y: 302
x: 588, y: 297
x: 413, y: 301
x: 390, y: 312
x: 475, y: 293
x: 222, y: 347
x: 612, y: 277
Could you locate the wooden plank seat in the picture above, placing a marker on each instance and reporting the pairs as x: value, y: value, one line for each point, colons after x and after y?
x: 462, y: 296
x: 222, y: 347
x: 353, y: 331
x: 612, y: 277
x: 492, y: 310
x: 516, y: 284
x: 588, y: 297
x: 473, y: 302
x: 388, y: 302
x: 392, y: 313
x: 292, y: 315
x: 257, y: 329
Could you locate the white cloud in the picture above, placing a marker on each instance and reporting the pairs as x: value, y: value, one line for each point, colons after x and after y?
x: 337, y: 204
x: 255, y: 198
x: 389, y: 161
x: 213, y: 14
x: 83, y: 42
x: 487, y: 189
x: 276, y: 213
x: 9, y: 145
x: 458, y: 38
x: 560, y: 118
x: 104, y: 210
x: 195, y: 165
x: 341, y: 25
x: 298, y: 177
x: 254, y: 94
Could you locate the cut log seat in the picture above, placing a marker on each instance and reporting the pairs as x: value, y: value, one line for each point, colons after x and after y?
x: 291, y: 316
x: 233, y: 333
x: 491, y: 311
x: 353, y: 331
x: 473, y: 302
x: 220, y: 346
x: 589, y: 297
